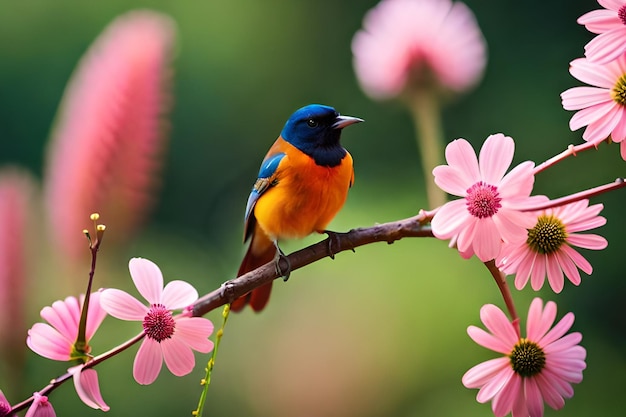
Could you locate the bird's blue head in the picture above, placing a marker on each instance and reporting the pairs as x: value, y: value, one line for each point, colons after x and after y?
x: 315, y: 130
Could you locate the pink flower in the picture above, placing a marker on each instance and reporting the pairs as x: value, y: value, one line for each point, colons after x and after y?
x: 487, y: 214
x: 56, y: 340
x: 167, y: 337
x: 40, y: 407
x: 406, y: 42
x: 610, y: 25
x: 602, y: 108
x: 536, y: 368
x: 109, y: 136
x: 16, y: 192
x: 87, y: 387
x: 548, y: 249
x: 5, y: 406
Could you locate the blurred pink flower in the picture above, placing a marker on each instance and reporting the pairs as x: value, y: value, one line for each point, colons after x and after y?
x: 167, y: 337
x: 407, y: 43
x: 106, y: 146
x: 548, y: 249
x: 87, y: 387
x: 5, y: 406
x: 487, y: 214
x: 56, y: 340
x: 17, y: 189
x: 610, y: 25
x: 536, y: 368
x: 40, y: 407
x: 602, y: 108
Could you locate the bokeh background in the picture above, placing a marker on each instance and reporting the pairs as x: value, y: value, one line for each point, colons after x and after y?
x: 380, y: 332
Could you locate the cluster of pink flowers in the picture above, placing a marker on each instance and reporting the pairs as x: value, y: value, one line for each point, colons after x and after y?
x: 408, y: 45
x: 602, y: 105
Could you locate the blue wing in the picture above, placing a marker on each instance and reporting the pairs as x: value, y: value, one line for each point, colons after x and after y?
x: 264, y: 181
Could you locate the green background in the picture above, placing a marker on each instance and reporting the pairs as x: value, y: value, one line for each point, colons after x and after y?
x: 377, y: 333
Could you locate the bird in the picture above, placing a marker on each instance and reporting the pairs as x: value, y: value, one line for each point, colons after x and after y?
x: 302, y: 184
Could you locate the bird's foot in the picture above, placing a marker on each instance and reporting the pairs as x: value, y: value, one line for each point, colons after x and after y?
x: 333, y: 242
x: 280, y: 256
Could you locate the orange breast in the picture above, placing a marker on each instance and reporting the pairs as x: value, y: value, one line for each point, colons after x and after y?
x: 306, y: 197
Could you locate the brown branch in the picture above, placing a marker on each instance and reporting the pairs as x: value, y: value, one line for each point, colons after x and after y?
x: 336, y: 242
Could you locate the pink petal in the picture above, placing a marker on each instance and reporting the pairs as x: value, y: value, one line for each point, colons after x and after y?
x: 555, y: 273
x: 461, y: 156
x: 449, y: 218
x: 539, y: 321
x: 578, y: 98
x: 504, y: 400
x: 496, y: 156
x: 482, y: 373
x: 178, y: 295
x: 603, y: 76
x: 518, y: 183
x: 88, y: 388
x: 122, y: 305
x: 606, y: 47
x: 63, y: 316
x: 147, y: 278
x: 495, y: 385
x: 587, y: 241
x: 148, y: 362
x: 534, y: 401
x: 465, y: 236
x: 195, y: 332
x: 178, y: 356
x: 598, y: 21
x: 568, y: 266
x: 598, y: 130
x: 451, y: 180
x: 488, y: 340
x: 591, y: 114
x: 558, y: 331
x: 498, y: 324
x: 508, y: 223
x: 562, y: 386
x: 487, y: 241
x: 538, y: 274
x: 49, y: 343
x: 578, y: 259
x: 550, y: 394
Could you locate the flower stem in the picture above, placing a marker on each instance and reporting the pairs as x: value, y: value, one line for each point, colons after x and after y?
x: 500, y: 279
x: 570, y: 151
x: 209, y: 369
x: 592, y: 192
x: 426, y: 113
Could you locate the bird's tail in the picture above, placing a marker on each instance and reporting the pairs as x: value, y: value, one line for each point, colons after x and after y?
x: 261, y: 251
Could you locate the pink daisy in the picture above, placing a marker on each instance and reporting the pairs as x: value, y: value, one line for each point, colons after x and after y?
x: 548, y: 249
x: 610, y: 25
x: 106, y: 147
x: 487, y: 214
x: 536, y: 368
x: 40, y: 407
x: 407, y: 42
x: 56, y: 340
x: 167, y: 337
x: 602, y: 107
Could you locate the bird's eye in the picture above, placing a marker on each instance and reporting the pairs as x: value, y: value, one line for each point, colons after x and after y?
x: 311, y: 123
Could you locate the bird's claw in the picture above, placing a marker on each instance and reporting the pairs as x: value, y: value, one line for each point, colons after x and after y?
x: 333, y: 240
x: 280, y: 255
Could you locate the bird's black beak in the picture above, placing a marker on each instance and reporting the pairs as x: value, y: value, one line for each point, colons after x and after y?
x: 343, y: 121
